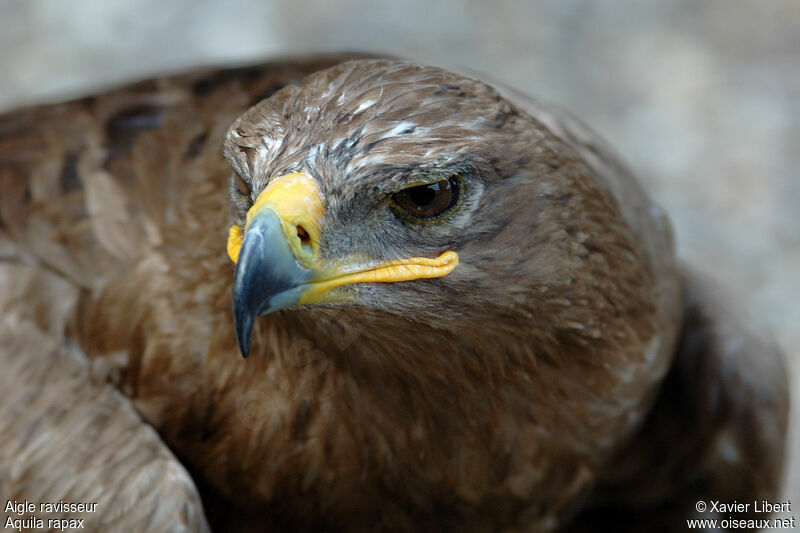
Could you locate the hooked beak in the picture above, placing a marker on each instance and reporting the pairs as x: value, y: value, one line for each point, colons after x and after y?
x: 278, y: 263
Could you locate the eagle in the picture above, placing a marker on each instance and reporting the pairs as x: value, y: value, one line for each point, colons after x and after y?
x: 458, y: 310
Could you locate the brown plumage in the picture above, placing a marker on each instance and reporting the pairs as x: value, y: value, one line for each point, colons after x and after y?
x: 565, y: 372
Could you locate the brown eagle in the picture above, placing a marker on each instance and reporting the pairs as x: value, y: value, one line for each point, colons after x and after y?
x: 459, y: 310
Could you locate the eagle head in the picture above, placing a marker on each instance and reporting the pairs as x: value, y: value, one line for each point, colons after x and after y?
x: 411, y: 191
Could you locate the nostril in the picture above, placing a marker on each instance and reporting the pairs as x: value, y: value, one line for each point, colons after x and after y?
x: 303, y: 235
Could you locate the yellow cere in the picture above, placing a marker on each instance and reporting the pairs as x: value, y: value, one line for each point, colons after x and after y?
x: 295, y: 197
x: 297, y: 200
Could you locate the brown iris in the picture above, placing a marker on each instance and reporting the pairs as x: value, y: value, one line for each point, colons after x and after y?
x: 430, y: 200
x: 241, y: 185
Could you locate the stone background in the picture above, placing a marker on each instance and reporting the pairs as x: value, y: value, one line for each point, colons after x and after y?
x: 702, y: 98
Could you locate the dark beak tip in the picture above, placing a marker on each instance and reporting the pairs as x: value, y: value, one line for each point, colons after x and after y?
x: 244, y: 343
x: 243, y: 324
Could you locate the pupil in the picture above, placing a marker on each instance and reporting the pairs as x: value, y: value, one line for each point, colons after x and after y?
x: 424, y: 194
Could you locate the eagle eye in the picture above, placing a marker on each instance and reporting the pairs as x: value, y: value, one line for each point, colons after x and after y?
x: 242, y: 186
x: 428, y: 201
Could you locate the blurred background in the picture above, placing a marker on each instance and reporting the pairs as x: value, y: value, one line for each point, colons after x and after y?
x: 701, y: 98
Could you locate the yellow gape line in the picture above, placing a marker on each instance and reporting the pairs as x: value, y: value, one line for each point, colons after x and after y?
x: 383, y: 272
x: 234, y: 243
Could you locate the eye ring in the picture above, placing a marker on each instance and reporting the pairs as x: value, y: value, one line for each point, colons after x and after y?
x: 242, y: 187
x: 429, y: 200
